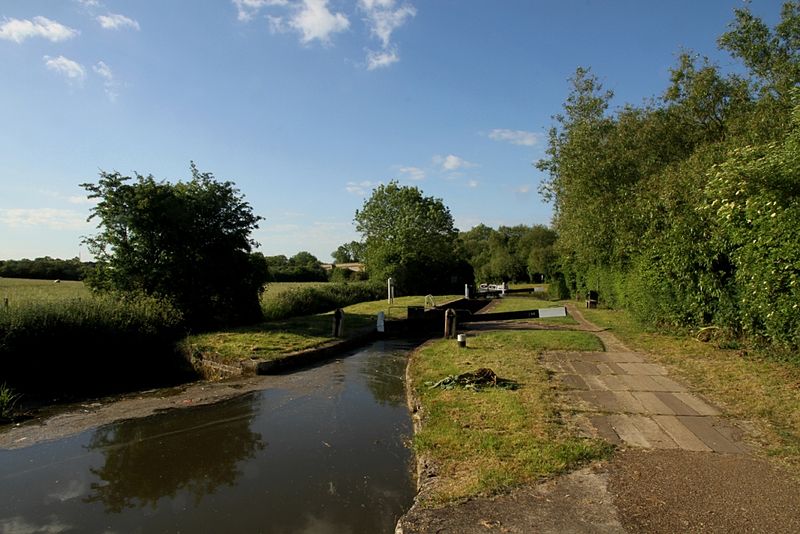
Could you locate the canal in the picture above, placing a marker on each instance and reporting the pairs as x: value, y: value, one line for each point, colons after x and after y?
x: 322, y: 450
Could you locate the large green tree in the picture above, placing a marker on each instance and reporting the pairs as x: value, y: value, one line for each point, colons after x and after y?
x: 188, y: 242
x: 411, y: 238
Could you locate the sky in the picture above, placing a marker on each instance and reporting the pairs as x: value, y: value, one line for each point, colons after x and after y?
x: 307, y: 105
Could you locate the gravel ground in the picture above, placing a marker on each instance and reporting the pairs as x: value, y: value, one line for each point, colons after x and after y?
x: 682, y: 491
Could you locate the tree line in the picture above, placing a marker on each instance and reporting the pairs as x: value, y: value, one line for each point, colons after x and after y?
x: 45, y: 268
x: 686, y: 209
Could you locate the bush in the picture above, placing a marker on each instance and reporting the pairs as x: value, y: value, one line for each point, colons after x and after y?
x: 92, y: 344
x: 320, y: 299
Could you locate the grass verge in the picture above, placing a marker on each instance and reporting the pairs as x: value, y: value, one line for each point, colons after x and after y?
x: 749, y: 386
x: 487, y: 441
x: 522, y: 303
x: 271, y: 339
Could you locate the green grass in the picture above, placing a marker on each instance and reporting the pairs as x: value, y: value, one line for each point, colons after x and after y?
x: 272, y: 339
x: 273, y: 290
x: 522, y: 303
x: 495, y: 439
x: 8, y: 400
x: 748, y: 385
x: 23, y: 290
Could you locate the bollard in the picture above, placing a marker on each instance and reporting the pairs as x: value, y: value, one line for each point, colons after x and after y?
x: 381, y: 326
x: 449, y: 324
x: 338, y: 323
x: 462, y: 340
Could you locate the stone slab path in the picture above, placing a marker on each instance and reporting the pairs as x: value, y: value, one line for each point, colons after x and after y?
x: 621, y: 396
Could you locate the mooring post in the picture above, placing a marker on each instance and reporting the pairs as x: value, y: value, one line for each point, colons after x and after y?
x: 381, y: 326
x: 449, y: 324
x: 338, y: 322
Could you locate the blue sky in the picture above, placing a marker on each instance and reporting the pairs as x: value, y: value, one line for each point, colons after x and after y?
x: 308, y: 104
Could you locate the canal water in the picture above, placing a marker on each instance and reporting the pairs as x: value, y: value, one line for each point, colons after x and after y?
x: 323, y: 450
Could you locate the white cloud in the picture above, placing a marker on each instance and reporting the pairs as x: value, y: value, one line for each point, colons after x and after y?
x: 114, y: 21
x: 452, y: 162
x: 472, y: 184
x: 247, y: 9
x: 523, y: 189
x: 381, y: 59
x: 315, y: 21
x: 109, y: 83
x: 89, y: 3
x: 19, y: 30
x: 73, y: 70
x: 412, y: 173
x: 55, y: 219
x: 360, y: 188
x: 383, y: 19
x: 517, y: 137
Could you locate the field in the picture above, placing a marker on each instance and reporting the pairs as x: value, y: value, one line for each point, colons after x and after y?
x: 22, y: 290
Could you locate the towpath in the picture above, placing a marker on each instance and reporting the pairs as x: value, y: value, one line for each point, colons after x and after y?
x: 681, y: 465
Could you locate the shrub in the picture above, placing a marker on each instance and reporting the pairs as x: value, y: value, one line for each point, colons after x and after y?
x: 93, y: 343
x: 319, y: 299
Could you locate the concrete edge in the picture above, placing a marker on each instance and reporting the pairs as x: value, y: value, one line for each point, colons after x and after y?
x: 425, y: 471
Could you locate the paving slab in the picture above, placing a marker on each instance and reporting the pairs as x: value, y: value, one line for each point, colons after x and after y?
x: 628, y: 399
x: 704, y: 429
x: 696, y: 404
x: 680, y: 434
x: 649, y: 369
x: 573, y: 382
x: 675, y: 404
x: 653, y: 433
x: 628, y: 431
x: 651, y: 403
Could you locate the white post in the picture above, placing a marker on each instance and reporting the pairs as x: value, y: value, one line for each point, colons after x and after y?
x: 390, y: 290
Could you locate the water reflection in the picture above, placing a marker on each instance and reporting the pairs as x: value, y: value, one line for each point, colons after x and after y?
x: 193, y: 450
x: 316, y: 451
x: 384, y: 376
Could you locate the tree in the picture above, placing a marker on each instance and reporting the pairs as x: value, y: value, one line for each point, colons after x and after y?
x: 188, y: 242
x: 411, y: 238
x: 349, y: 253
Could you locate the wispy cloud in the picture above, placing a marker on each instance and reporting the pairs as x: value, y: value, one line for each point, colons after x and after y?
x: 380, y: 59
x: 72, y: 70
x: 523, y: 189
x: 110, y: 84
x: 412, y: 173
x: 452, y: 163
x: 472, y: 184
x: 315, y: 21
x: 247, y: 9
x: 18, y: 30
x: 516, y: 137
x: 115, y: 21
x: 89, y: 3
x: 384, y: 17
x: 54, y: 219
x: 360, y: 188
